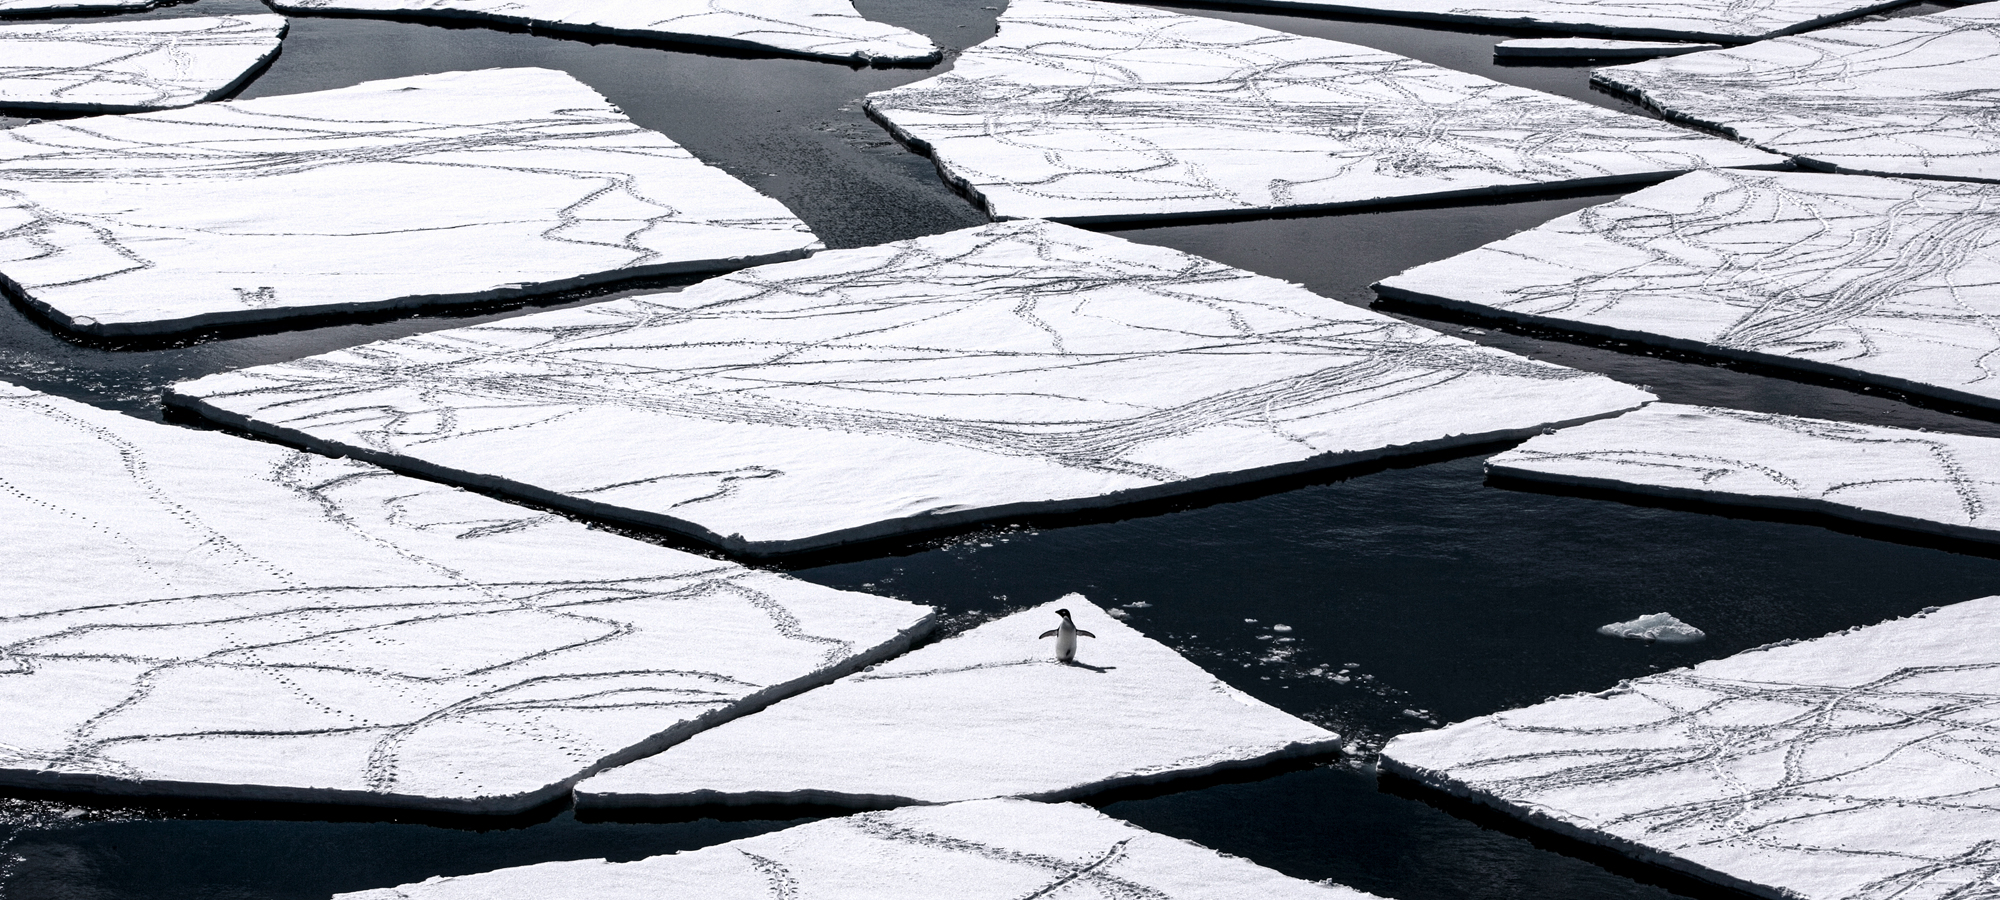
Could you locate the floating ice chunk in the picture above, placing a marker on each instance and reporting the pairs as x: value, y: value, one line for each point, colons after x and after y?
x: 459, y: 187
x: 187, y: 613
x: 1728, y: 21
x: 132, y: 65
x: 922, y: 384
x: 826, y: 29
x: 52, y: 7
x: 1857, y: 765
x: 1590, y: 48
x: 988, y: 713
x: 1904, y: 96
x: 1658, y: 626
x: 984, y: 850
x: 1888, y: 281
x: 1089, y: 111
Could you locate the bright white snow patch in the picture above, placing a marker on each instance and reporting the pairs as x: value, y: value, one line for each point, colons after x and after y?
x: 1859, y: 765
x: 984, y: 850
x: 458, y: 187
x: 1904, y: 96
x: 188, y: 613
x: 52, y: 7
x: 1658, y: 626
x: 1730, y: 21
x: 826, y: 29
x: 1081, y: 110
x: 1590, y: 48
x: 981, y: 373
x: 1890, y: 281
x: 988, y: 713
x: 131, y: 65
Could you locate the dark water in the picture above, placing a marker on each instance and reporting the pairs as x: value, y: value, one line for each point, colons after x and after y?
x: 1416, y: 594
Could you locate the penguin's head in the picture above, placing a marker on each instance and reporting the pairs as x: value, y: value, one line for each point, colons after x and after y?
x: 1063, y: 612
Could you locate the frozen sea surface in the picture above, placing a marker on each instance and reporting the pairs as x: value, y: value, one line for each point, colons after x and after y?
x: 56, y: 7
x: 126, y: 66
x: 1859, y: 765
x: 1087, y: 111
x: 460, y: 187
x: 988, y: 713
x: 991, y: 371
x: 1729, y: 21
x: 1590, y: 48
x: 191, y: 614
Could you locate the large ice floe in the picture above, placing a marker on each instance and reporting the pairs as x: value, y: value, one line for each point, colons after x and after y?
x: 460, y: 187
x: 1945, y: 484
x: 1089, y: 111
x: 825, y: 29
x: 1590, y: 48
x: 988, y: 713
x: 191, y: 614
x: 1004, y: 369
x: 1859, y: 766
x: 1887, y: 281
x: 982, y: 850
x: 54, y: 7
x: 132, y: 65
x: 1904, y: 96
x: 1729, y: 21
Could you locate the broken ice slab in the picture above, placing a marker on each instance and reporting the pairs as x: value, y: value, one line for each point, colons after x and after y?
x: 1859, y: 765
x: 1087, y: 111
x: 824, y: 29
x: 129, y: 65
x: 1903, y: 96
x: 984, y: 850
x: 1946, y: 484
x: 1590, y: 48
x: 1726, y: 21
x: 452, y: 188
x: 1885, y: 281
x: 185, y: 613
x: 988, y: 713
x: 1659, y: 626
x: 1000, y: 370
x: 58, y: 7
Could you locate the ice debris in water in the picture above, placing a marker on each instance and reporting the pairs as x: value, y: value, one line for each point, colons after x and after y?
x: 1659, y: 626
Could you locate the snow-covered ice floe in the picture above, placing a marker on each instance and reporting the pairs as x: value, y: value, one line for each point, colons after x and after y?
x: 1905, y: 96
x: 1946, y: 484
x: 982, y: 850
x: 1727, y: 21
x: 1661, y: 627
x: 988, y: 713
x: 998, y: 370
x: 461, y: 187
x: 1590, y: 48
x: 1088, y: 111
x: 56, y: 7
x: 1887, y: 281
x: 1858, y: 766
x: 124, y: 66
x: 191, y: 614
x: 824, y: 29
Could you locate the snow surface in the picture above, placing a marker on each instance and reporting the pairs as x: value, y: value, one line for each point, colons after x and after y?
x: 1659, y: 626
x: 988, y: 713
x: 54, y: 7
x: 984, y: 850
x: 188, y: 613
x: 459, y: 187
x: 965, y: 376
x: 132, y: 65
x: 1887, y: 281
x: 1089, y: 111
x: 825, y: 29
x: 1859, y: 765
x: 1904, y: 96
x: 1729, y: 21
x: 1590, y: 48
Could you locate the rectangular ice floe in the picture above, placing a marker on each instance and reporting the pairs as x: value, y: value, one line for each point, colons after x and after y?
x: 993, y: 371
x: 459, y: 187
x: 186, y: 613
x: 1088, y: 111
x: 1904, y: 96
x: 132, y: 65
x: 827, y: 29
x: 1864, y: 764
x: 985, y: 850
x: 989, y: 713
x: 1590, y: 48
x: 1887, y: 281
x: 1945, y: 484
x: 1729, y: 21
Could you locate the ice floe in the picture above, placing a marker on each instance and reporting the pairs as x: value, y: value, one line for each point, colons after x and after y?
x: 1888, y: 281
x: 988, y: 713
x: 1590, y: 48
x: 826, y: 29
x: 132, y: 65
x: 192, y: 614
x: 1661, y: 627
x: 997, y: 370
x: 55, y: 7
x: 1088, y: 111
x: 983, y: 850
x: 1859, y: 765
x: 1729, y: 21
x: 1904, y: 96
x: 459, y: 187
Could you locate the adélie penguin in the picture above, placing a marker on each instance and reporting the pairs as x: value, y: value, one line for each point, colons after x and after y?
x: 1065, y: 635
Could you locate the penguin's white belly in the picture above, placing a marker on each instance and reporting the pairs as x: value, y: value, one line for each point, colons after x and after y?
x: 1065, y: 645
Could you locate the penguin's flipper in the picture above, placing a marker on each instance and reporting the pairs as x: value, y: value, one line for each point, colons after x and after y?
x: 1082, y: 633
x: 1050, y: 633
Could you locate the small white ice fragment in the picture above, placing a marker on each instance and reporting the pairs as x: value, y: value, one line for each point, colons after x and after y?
x: 1591, y: 48
x: 1655, y: 627
x: 1281, y: 628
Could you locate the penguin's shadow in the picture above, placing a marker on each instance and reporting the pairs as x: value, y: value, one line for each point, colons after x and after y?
x: 1098, y: 669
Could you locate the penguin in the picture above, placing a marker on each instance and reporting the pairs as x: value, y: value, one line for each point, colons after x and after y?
x: 1065, y: 635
